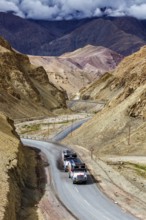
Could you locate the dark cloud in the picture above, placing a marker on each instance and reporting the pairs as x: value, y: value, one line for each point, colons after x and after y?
x: 70, y: 9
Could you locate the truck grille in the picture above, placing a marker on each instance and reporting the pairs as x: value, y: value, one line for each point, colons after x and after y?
x: 80, y: 177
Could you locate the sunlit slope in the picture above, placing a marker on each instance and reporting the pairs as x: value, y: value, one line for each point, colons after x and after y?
x: 120, y: 127
x: 25, y: 90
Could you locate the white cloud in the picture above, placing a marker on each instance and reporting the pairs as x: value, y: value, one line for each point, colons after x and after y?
x: 38, y: 9
x: 138, y: 11
x: 10, y: 6
x: 68, y: 9
x: 97, y: 13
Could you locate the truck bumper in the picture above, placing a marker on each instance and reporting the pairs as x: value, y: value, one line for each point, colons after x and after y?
x: 79, y: 181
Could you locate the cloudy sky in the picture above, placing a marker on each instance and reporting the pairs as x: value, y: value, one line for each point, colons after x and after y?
x: 71, y: 9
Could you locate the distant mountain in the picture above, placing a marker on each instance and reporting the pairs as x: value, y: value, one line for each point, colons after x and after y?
x: 28, y: 36
x: 25, y: 90
x: 103, y: 32
x: 76, y: 69
x: 124, y: 35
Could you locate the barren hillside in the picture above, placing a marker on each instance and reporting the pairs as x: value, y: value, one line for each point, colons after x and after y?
x: 15, y: 173
x: 25, y: 90
x: 121, y: 125
x: 74, y: 70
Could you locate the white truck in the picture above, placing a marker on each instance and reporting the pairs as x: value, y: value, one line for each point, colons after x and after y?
x: 77, y: 171
x: 67, y: 156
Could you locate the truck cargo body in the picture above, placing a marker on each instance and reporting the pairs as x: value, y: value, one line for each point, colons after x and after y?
x: 66, y: 164
x: 67, y: 156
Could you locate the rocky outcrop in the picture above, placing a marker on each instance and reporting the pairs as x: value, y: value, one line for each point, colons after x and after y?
x: 22, y: 86
x: 20, y: 189
x: 12, y: 169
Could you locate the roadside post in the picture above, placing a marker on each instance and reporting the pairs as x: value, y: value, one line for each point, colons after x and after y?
x: 91, y: 150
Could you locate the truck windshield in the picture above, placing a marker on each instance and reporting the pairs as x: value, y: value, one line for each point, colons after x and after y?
x: 80, y: 170
x: 67, y: 159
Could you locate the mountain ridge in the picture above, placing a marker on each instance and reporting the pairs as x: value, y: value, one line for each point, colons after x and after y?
x: 124, y: 35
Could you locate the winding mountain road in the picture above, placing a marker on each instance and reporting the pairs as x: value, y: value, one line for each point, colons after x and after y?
x: 86, y: 202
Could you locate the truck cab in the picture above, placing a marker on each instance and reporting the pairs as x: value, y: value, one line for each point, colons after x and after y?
x: 77, y: 171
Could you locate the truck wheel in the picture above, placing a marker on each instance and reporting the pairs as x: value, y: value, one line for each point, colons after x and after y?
x: 69, y: 175
x: 74, y: 181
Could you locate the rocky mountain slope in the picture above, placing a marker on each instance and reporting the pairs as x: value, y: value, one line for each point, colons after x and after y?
x: 76, y: 69
x: 124, y: 35
x: 14, y: 28
x: 9, y: 147
x: 120, y: 127
x: 14, y: 172
x: 102, y: 32
x: 25, y: 90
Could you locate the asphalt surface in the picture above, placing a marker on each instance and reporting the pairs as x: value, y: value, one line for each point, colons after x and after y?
x: 86, y: 201
x: 61, y: 135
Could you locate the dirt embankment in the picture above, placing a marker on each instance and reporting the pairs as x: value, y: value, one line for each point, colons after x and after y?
x: 18, y: 182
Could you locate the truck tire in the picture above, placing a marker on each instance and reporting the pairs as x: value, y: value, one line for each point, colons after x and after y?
x: 74, y: 181
x: 69, y: 175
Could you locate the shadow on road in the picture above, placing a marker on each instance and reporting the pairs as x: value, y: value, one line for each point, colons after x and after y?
x: 91, y: 180
x: 59, y: 164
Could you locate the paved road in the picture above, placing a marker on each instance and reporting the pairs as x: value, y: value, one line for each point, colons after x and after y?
x: 61, y: 135
x: 86, y: 202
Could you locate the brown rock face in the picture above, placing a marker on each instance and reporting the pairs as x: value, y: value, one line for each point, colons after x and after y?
x: 12, y: 170
x: 18, y: 171
x: 22, y: 86
x: 119, y: 128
